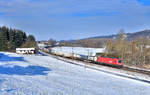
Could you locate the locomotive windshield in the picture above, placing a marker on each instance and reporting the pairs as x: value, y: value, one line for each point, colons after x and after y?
x: 119, y: 61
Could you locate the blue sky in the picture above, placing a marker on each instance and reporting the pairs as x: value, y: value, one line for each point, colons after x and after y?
x: 75, y: 19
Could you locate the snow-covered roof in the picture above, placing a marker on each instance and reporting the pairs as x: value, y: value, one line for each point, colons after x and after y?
x: 25, y: 49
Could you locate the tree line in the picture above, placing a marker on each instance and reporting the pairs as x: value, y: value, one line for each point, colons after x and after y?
x: 135, y: 52
x: 89, y: 42
x: 10, y: 39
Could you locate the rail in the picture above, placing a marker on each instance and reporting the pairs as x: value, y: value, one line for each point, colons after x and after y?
x: 125, y: 68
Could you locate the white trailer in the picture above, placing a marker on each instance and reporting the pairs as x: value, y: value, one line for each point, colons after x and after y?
x: 25, y: 50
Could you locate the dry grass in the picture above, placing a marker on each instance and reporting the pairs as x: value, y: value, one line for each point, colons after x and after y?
x: 147, y: 66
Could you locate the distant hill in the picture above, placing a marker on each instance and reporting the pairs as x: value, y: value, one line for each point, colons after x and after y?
x: 100, y: 41
x: 143, y: 34
x: 130, y: 36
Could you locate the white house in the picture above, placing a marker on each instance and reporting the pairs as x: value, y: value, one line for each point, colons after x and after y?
x: 41, y: 45
x: 25, y: 50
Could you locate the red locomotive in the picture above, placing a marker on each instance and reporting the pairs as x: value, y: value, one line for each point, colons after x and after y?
x: 110, y: 61
x: 107, y: 59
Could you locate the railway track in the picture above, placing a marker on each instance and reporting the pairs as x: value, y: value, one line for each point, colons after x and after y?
x: 98, y: 68
x: 98, y: 65
x: 136, y: 70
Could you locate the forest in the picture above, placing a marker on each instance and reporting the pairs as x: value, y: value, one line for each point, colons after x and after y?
x: 134, y: 52
x: 10, y: 39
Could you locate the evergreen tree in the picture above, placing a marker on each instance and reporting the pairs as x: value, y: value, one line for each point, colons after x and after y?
x: 30, y: 42
x: 10, y: 39
x: 4, y: 38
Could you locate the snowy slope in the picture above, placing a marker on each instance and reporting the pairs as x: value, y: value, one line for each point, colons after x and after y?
x: 44, y: 75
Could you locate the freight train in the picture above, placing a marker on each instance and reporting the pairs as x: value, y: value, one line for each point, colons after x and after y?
x: 93, y: 59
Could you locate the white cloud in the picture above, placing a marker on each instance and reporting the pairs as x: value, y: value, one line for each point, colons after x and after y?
x: 48, y: 15
x: 71, y: 6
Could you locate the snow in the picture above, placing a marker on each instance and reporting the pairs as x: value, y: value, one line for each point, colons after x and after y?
x: 44, y: 75
x: 80, y: 50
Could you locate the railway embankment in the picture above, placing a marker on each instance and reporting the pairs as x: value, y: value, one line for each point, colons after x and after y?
x: 131, y: 73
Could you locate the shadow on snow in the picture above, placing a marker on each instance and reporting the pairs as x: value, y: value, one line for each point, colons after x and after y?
x: 42, y: 54
x: 18, y: 70
x: 4, y: 57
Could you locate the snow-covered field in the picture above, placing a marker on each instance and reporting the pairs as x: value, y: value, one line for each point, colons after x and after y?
x: 44, y: 75
x: 80, y: 50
